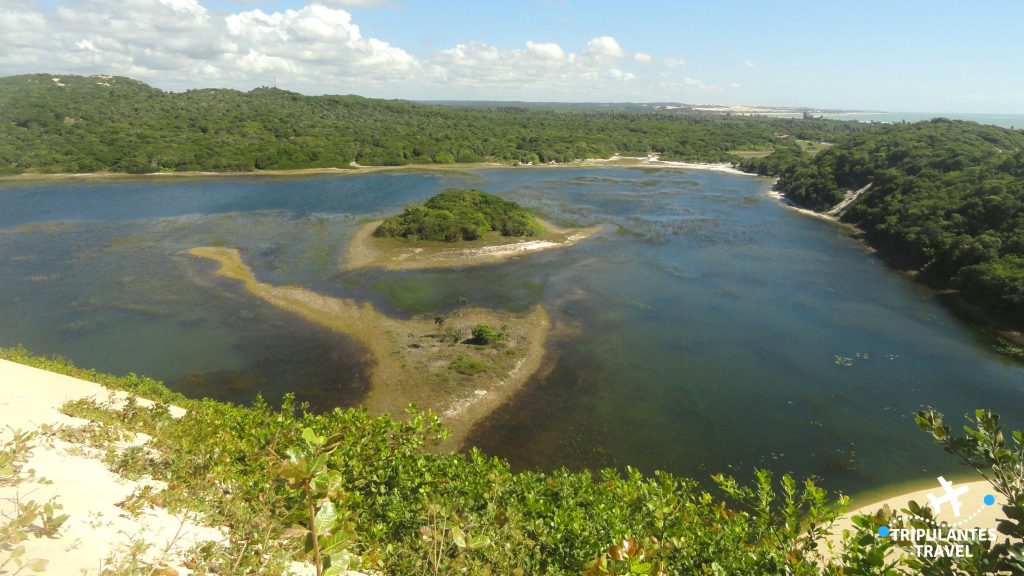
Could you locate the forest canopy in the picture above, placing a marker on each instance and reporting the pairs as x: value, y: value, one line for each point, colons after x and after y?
x: 460, y: 215
x: 80, y: 124
x: 946, y: 199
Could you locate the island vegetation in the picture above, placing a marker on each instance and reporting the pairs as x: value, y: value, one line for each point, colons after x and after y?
x: 457, y: 228
x: 460, y: 215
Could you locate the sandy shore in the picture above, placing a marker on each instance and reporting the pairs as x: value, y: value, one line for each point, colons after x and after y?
x: 365, y: 251
x: 96, y: 528
x: 409, y: 363
x: 974, y: 512
x: 656, y: 162
x: 614, y: 161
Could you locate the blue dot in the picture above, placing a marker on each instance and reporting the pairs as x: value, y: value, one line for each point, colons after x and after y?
x: 989, y: 499
x: 883, y: 531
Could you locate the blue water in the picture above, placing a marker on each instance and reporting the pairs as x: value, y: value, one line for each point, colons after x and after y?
x: 1005, y: 120
x: 708, y: 329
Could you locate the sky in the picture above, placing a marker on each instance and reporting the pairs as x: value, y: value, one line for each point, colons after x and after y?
x: 901, y: 56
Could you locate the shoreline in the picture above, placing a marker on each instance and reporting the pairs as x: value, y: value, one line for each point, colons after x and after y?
x: 409, y: 364
x: 365, y: 251
x: 986, y: 323
x: 652, y: 161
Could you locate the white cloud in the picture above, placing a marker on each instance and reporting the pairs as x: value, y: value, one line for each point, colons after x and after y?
x: 350, y: 3
x: 479, y: 70
x: 749, y: 64
x: 547, y: 50
x: 316, y: 48
x: 604, y: 47
x: 315, y: 40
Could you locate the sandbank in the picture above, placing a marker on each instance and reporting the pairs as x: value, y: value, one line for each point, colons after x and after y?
x: 366, y: 251
x: 409, y: 362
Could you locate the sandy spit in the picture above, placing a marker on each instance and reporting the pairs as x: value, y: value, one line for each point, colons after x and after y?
x: 409, y: 365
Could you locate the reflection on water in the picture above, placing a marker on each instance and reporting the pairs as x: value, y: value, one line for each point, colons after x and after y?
x: 707, y: 329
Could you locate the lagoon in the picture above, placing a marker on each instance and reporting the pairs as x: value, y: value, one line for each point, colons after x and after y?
x: 707, y: 329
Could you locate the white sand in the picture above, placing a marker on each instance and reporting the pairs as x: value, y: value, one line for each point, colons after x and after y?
x: 656, y: 161
x: 973, y: 511
x: 97, y: 529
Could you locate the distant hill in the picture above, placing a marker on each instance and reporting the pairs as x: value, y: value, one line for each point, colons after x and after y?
x: 59, y: 123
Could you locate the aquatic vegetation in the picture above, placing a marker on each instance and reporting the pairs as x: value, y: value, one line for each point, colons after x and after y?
x: 467, y: 365
x: 409, y: 363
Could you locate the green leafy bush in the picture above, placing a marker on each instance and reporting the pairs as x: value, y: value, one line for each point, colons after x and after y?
x: 374, y: 492
x: 401, y: 507
x: 460, y: 215
x: 484, y: 334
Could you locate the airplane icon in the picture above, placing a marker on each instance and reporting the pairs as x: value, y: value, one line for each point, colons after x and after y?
x: 951, y: 495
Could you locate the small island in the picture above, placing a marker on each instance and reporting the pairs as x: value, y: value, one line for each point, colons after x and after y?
x: 456, y: 228
x: 457, y: 215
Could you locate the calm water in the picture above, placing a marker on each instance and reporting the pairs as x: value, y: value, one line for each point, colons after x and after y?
x: 1004, y: 120
x: 709, y: 329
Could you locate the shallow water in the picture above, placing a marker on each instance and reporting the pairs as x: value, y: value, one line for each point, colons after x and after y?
x: 708, y: 329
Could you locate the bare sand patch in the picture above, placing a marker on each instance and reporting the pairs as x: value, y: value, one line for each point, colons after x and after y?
x: 367, y: 251
x: 97, y: 531
x: 410, y: 362
x: 975, y: 513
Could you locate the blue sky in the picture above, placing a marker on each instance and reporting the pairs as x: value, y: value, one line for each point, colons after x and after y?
x: 898, y: 56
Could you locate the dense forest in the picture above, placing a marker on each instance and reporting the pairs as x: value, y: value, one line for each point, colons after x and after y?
x: 101, y: 123
x: 945, y: 198
x: 456, y: 215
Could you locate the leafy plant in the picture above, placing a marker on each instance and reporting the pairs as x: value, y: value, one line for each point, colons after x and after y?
x: 984, y: 448
x: 328, y: 535
x: 484, y: 334
x: 22, y: 519
x: 460, y: 215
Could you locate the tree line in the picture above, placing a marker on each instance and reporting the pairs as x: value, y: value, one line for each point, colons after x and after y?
x: 946, y: 199
x: 97, y: 124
